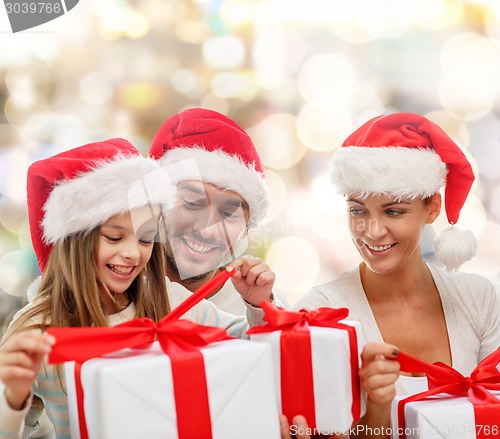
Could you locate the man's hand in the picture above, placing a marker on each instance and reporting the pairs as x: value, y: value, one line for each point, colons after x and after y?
x: 253, y: 279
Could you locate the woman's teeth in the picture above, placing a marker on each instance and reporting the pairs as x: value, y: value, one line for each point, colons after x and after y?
x: 379, y: 248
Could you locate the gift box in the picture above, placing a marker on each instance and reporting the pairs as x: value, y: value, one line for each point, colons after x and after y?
x: 170, y: 379
x: 316, y: 361
x: 131, y: 394
x: 454, y: 406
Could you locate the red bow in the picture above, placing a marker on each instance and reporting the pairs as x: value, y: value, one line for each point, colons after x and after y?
x: 297, y: 390
x: 179, y: 339
x: 444, y: 379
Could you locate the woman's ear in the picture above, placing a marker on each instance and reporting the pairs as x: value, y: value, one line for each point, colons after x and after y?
x: 434, y: 208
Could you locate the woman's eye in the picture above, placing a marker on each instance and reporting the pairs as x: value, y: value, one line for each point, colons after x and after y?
x: 355, y: 211
x: 146, y: 240
x: 393, y: 212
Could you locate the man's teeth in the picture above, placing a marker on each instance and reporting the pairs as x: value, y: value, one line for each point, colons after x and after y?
x: 121, y: 270
x: 198, y: 248
x: 379, y: 248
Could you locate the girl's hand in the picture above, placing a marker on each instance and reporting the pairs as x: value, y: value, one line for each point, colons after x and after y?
x: 254, y: 280
x: 300, y: 430
x: 21, y: 357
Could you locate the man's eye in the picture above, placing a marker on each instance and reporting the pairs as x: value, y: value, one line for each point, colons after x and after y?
x: 191, y: 204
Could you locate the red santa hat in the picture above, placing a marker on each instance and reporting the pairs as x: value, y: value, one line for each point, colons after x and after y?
x: 78, y: 190
x: 223, y: 152
x: 408, y: 156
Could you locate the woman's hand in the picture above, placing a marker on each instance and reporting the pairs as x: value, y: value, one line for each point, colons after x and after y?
x: 21, y: 357
x: 378, y: 374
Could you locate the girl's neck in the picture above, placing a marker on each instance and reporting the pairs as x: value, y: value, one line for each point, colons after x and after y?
x: 120, y: 302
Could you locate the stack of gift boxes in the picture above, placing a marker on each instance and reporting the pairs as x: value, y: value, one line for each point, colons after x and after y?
x: 178, y: 379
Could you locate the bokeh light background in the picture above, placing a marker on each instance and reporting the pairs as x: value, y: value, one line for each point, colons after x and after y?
x: 298, y: 75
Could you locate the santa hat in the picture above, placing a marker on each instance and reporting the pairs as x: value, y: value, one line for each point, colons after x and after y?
x: 408, y: 156
x: 78, y: 190
x: 223, y: 152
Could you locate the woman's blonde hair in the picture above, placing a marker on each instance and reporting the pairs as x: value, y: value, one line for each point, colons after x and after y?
x: 69, y: 291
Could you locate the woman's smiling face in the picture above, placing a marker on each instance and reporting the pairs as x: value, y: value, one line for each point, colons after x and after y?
x: 387, y: 230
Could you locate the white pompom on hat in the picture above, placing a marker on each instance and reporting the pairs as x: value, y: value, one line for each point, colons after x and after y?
x: 224, y: 153
x: 408, y: 156
x: 80, y: 189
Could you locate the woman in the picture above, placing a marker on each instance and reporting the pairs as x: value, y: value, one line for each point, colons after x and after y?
x: 391, y: 170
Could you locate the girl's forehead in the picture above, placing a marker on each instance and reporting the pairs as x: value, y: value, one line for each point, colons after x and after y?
x: 137, y: 218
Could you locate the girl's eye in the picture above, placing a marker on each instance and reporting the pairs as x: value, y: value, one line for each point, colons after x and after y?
x: 111, y: 238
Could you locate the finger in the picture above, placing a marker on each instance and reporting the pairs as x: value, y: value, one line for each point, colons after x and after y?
x: 301, y: 427
x: 379, y: 381
x: 379, y: 366
x: 371, y: 350
x: 15, y: 372
x: 245, y: 263
x: 253, y: 275
x: 18, y: 358
x: 284, y: 428
x: 31, y: 342
x: 382, y: 395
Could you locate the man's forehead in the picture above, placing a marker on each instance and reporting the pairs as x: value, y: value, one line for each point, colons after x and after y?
x: 211, y: 190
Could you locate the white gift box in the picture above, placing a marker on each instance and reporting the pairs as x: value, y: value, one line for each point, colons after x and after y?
x: 441, y: 417
x: 129, y: 394
x: 331, y: 368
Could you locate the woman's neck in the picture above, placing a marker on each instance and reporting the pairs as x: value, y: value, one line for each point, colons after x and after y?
x: 405, y: 282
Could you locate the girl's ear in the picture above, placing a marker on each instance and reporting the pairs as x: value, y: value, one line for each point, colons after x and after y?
x: 434, y: 208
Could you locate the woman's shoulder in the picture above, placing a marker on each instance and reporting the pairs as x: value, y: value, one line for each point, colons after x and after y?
x: 339, y: 283
x: 464, y: 283
x: 333, y: 293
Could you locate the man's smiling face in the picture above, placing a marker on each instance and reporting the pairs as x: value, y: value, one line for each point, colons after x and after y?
x: 203, y: 228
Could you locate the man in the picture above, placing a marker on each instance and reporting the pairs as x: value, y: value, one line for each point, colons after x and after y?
x: 221, y: 194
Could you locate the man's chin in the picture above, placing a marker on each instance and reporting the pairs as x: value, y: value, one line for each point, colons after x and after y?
x: 194, y: 277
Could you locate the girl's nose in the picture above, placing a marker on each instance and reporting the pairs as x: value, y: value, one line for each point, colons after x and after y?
x: 131, y: 250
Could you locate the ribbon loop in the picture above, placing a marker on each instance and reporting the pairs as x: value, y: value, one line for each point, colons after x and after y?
x: 444, y: 379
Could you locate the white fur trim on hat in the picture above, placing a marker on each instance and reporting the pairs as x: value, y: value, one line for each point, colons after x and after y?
x: 400, y: 171
x: 222, y: 170
x: 110, y: 188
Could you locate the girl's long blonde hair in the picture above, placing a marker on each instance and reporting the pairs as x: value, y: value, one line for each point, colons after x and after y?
x: 69, y: 291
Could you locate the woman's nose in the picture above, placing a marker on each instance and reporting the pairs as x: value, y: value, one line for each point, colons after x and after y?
x: 375, y: 229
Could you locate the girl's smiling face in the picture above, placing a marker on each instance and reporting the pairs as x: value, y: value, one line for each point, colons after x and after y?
x: 125, y: 247
x: 387, y: 230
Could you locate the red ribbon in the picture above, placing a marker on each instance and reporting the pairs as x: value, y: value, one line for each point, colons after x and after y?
x: 444, y: 379
x: 297, y: 389
x: 179, y: 339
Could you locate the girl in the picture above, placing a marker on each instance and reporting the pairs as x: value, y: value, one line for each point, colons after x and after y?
x: 94, y: 214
